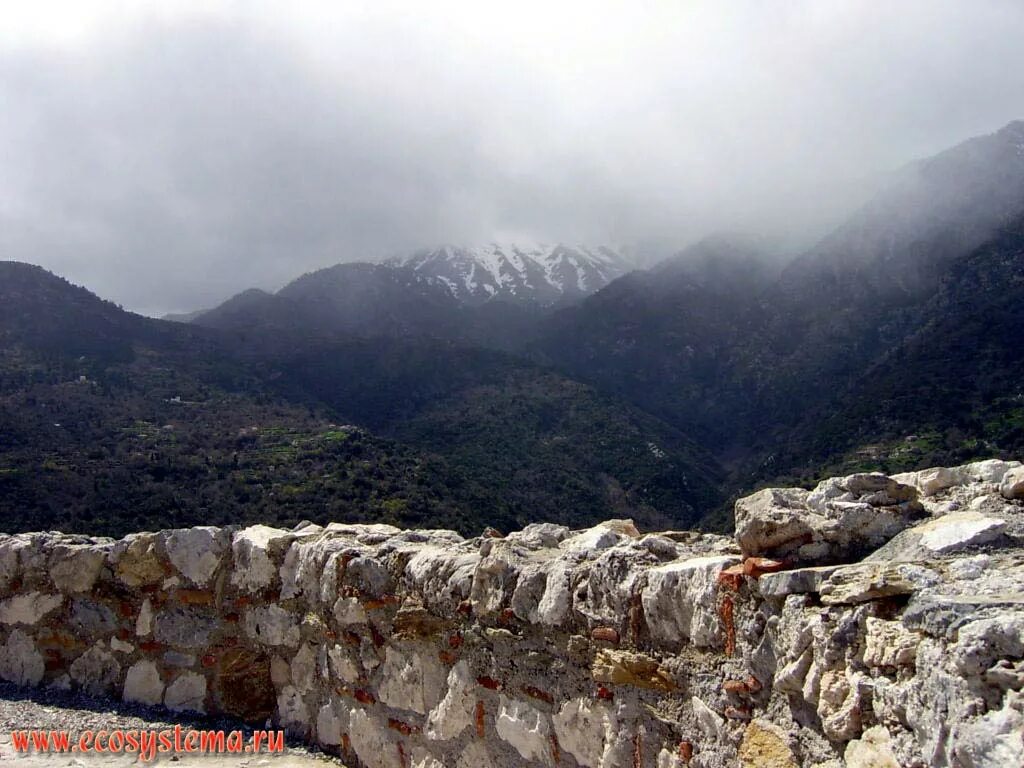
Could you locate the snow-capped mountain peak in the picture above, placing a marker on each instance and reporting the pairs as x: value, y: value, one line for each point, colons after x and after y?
x: 537, y: 273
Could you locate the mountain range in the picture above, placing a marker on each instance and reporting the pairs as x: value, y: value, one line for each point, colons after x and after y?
x: 503, y: 384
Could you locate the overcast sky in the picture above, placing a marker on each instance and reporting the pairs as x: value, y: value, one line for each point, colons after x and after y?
x: 169, y: 156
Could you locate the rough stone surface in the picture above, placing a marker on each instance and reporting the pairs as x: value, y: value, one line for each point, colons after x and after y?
x: 888, y: 630
x: 142, y: 683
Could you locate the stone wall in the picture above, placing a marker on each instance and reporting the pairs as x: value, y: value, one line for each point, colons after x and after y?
x: 874, y: 621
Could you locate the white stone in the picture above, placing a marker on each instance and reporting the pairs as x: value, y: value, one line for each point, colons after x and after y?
x: 331, y: 723
x: 889, y: 644
x: 116, y: 644
x: 96, y: 670
x: 303, y: 669
x: 411, y: 679
x: 292, y: 710
x: 341, y: 664
x: 372, y: 742
x: 421, y: 758
x: 871, y: 750
x: 583, y: 727
x: 272, y: 625
x: 143, y: 683
x: 348, y: 610
x: 195, y: 552
x: 990, y: 470
x: 75, y: 567
x: 980, y: 643
x: 187, y: 692
x: 144, y: 623
x: 680, y: 601
x: 28, y: 608
x: 20, y: 660
x: 958, y: 530
x: 709, y: 721
x: 932, y: 481
x: 455, y: 711
x: 254, y: 567
x: 526, y: 728
x: 1012, y: 486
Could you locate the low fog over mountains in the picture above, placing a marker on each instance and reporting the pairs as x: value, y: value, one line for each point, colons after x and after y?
x: 501, y: 384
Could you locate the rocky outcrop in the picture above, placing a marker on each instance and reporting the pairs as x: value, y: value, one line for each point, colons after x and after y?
x: 872, y: 621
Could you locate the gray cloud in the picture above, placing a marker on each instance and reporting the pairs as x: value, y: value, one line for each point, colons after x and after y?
x: 167, y: 163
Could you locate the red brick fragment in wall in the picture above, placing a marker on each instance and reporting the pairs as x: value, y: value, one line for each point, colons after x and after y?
x: 447, y: 657
x: 352, y: 638
x: 731, y: 577
x: 734, y: 686
x: 738, y: 713
x: 401, y: 756
x: 480, y: 719
x: 725, y: 613
x: 455, y: 640
x: 607, y: 634
x: 403, y: 728
x: 686, y: 751
x: 209, y: 660
x: 465, y: 608
x: 126, y: 609
x: 506, y: 617
x: 604, y: 694
x: 556, y: 751
x: 489, y: 683
x: 364, y: 696
x: 755, y: 566
x: 638, y: 754
x: 537, y: 693
x: 378, y: 638
x: 636, y: 617
x: 381, y: 602
x: 150, y: 646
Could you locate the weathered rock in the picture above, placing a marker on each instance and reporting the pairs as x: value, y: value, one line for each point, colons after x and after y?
x: 841, y: 518
x: 628, y: 668
x: 953, y: 532
x: 137, y: 560
x: 75, y: 567
x: 196, y: 552
x: 96, y: 670
x: 143, y: 684
x: 186, y: 693
x: 456, y: 710
x: 185, y: 628
x: 412, y: 679
x: 372, y: 741
x: 28, y: 608
x: 582, y: 727
x: 798, y: 581
x: 680, y: 602
x: 272, y: 625
x: 889, y: 644
x: 871, y: 750
x: 1012, y: 485
x: 869, y: 581
x: 257, y: 552
x: 764, y: 746
x: 526, y: 728
x: 20, y: 660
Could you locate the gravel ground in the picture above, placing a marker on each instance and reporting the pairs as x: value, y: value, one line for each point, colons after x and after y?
x: 44, y: 709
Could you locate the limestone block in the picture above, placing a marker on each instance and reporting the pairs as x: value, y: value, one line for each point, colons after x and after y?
x: 28, y: 608
x: 75, y: 567
x: 583, y: 727
x: 20, y: 660
x: 185, y: 628
x: 455, y: 711
x: 96, y: 670
x: 680, y: 601
x: 257, y: 551
x: 292, y: 711
x: 411, y: 678
x: 136, y: 560
x: 889, y: 644
x: 195, y: 552
x: 628, y: 668
x: 143, y: 684
x: 526, y: 728
x: 1012, y: 485
x: 372, y: 741
x: 186, y: 693
x: 272, y: 625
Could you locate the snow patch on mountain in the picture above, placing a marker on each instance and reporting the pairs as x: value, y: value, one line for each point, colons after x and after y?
x: 536, y: 273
